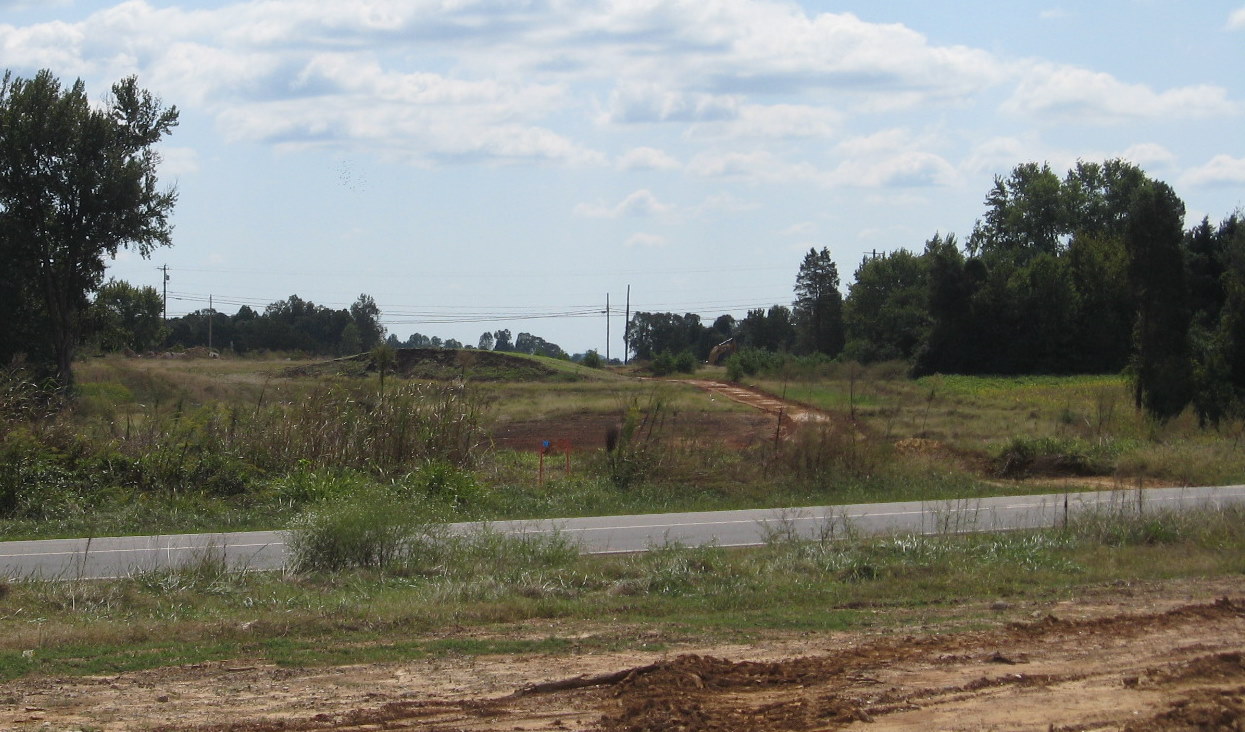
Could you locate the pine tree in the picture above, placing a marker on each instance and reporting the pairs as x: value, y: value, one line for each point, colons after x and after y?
x: 818, y: 307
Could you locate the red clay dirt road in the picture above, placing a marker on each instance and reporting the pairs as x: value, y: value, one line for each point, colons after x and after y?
x: 1140, y: 658
x: 765, y: 402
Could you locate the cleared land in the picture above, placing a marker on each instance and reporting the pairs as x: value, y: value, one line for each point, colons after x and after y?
x: 1163, y: 656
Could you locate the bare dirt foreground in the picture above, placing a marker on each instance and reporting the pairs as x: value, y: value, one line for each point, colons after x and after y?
x: 1151, y: 657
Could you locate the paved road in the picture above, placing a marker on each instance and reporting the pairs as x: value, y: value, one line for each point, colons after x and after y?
x: 265, y: 550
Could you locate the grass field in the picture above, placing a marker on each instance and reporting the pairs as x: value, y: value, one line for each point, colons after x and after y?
x: 493, y: 590
x: 154, y: 446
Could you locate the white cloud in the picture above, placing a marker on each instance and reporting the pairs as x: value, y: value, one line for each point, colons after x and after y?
x: 641, y: 203
x: 1236, y: 21
x: 1148, y: 154
x: 349, y: 101
x: 646, y: 103
x: 444, y: 81
x: 756, y: 166
x: 772, y: 121
x: 1054, y: 14
x: 724, y: 202
x: 647, y: 158
x: 891, y: 158
x: 641, y: 239
x: 1220, y: 170
x: 996, y: 155
x: 54, y: 45
x: 21, y: 4
x: 906, y: 169
x: 1069, y: 92
x: 803, y: 228
x: 178, y: 161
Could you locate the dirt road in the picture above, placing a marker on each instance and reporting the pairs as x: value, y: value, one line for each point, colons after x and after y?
x: 1140, y: 658
x: 758, y: 399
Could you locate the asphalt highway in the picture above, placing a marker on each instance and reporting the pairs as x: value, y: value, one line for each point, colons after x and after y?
x: 104, y: 557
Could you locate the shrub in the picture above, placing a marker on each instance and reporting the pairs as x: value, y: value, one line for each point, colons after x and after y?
x: 36, y: 481
x: 23, y: 400
x: 305, y: 485
x: 749, y: 362
x: 370, y: 529
x: 662, y: 365
x: 1023, y: 455
x: 667, y: 363
x: 819, y: 453
x: 445, y: 483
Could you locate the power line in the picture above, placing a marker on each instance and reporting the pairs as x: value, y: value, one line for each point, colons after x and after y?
x: 474, y: 274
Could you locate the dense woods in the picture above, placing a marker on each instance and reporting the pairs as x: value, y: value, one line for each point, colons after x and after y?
x: 1089, y: 273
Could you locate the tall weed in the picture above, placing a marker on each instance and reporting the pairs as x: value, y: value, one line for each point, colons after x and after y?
x: 633, y: 450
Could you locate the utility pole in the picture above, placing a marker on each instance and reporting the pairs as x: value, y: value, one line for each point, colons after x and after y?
x: 607, y: 328
x: 165, y: 270
x: 211, y: 312
x: 627, y: 329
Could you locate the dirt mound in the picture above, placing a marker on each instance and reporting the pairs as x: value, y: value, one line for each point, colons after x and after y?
x: 687, y: 694
x: 474, y: 365
x: 833, y: 691
x: 1204, y: 709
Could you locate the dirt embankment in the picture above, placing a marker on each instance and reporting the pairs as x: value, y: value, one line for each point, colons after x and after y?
x: 1159, y: 657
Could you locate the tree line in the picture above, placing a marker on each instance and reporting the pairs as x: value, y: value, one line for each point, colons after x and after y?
x: 77, y: 185
x: 1089, y: 273
x: 498, y: 340
x: 125, y: 317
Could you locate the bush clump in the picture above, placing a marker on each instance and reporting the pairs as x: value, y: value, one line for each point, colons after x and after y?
x: 371, y: 529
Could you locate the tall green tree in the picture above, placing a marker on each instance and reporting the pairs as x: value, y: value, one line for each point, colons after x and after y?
x: 366, y: 316
x: 1162, y: 369
x: 885, y: 314
x: 770, y: 330
x: 125, y: 316
x: 1023, y: 216
x: 818, y: 307
x: 951, y: 342
x: 1219, y: 342
x: 77, y: 183
x: 650, y: 334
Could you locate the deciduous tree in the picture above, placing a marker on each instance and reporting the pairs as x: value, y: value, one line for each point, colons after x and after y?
x: 130, y: 317
x: 77, y: 183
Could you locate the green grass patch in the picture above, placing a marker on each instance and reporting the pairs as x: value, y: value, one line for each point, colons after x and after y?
x: 486, y: 594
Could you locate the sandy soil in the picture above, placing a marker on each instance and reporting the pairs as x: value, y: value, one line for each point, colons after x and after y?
x: 1154, y: 657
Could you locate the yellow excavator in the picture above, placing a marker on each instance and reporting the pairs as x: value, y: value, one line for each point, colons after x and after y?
x: 719, y: 352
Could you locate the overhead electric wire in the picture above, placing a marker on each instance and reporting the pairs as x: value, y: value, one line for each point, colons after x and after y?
x: 448, y: 314
x: 509, y: 273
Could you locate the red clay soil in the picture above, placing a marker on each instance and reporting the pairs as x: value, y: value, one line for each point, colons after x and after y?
x: 1142, y: 659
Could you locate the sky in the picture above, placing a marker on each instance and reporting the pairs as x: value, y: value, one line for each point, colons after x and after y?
x: 474, y: 165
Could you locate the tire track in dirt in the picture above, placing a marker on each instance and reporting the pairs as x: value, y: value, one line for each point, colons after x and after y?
x: 757, y: 399
x: 1143, y: 672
